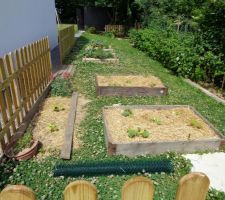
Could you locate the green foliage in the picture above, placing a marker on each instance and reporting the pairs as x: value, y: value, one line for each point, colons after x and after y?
x: 61, y: 87
x: 52, y: 127
x: 6, y: 169
x: 137, y: 133
x: 58, y: 108
x: 109, y: 34
x: 156, y: 121
x: 98, y: 53
x: 196, y: 124
x: 24, y: 142
x: 181, y: 53
x: 90, y: 29
x: 215, y: 195
x: 127, y: 113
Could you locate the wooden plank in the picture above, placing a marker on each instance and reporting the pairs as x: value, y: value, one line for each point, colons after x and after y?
x: 13, y: 86
x: 80, y: 190
x: 129, y: 91
x: 208, y: 93
x: 97, y: 60
x: 193, y: 186
x: 17, y: 192
x: 8, y: 100
x: 26, y: 78
x: 22, y: 81
x: 68, y: 139
x: 138, y: 188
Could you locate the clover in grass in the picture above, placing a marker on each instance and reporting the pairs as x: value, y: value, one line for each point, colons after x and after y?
x: 127, y: 113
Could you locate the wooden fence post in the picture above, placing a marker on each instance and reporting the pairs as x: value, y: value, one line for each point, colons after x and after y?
x: 80, y: 190
x: 138, y: 188
x: 17, y: 192
x: 193, y: 186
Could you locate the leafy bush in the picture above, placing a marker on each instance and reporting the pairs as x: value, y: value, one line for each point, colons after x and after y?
x: 62, y: 86
x: 90, y: 29
x: 109, y: 34
x: 183, y: 53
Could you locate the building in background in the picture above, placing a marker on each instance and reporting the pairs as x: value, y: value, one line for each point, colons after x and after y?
x: 25, y: 21
x: 96, y: 17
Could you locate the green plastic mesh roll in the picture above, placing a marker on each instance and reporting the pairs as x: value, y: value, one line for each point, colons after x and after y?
x: 114, y: 167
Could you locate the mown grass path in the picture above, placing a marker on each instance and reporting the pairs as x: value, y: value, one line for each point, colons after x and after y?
x: 38, y: 174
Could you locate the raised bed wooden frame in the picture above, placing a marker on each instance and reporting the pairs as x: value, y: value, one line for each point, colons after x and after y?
x: 129, y: 91
x: 113, y: 60
x: 143, y: 148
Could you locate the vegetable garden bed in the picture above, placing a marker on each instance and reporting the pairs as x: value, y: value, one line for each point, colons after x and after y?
x: 130, y: 86
x: 138, y: 130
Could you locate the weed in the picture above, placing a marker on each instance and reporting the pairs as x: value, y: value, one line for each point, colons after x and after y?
x: 127, y: 113
x: 196, y: 124
x: 52, y: 127
x: 156, y: 120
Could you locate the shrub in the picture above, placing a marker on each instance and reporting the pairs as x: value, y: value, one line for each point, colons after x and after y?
x: 62, y: 86
x: 90, y: 29
x: 183, y: 53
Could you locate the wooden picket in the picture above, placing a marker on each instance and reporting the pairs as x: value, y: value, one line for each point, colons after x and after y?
x: 119, y: 30
x: 80, y: 190
x: 17, y: 192
x: 24, y: 75
x: 138, y: 188
x: 66, y: 41
x: 193, y: 186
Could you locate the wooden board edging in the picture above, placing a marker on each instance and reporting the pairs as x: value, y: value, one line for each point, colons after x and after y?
x: 147, y: 147
x: 208, y: 93
x: 68, y: 138
x: 129, y: 91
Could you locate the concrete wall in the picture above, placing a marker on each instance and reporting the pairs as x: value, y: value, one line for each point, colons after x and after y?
x: 24, y: 21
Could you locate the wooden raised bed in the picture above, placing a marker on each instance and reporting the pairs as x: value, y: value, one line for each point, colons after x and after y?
x: 98, y: 60
x: 113, y: 60
x: 182, y: 138
x: 145, y: 86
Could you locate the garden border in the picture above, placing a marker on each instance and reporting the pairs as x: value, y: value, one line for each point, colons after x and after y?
x: 140, y: 148
x: 129, y: 91
x: 208, y: 93
x: 69, y: 133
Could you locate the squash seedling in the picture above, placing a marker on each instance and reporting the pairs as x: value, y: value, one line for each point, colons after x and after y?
x: 127, y: 113
x: 57, y: 108
x: 137, y: 133
x: 156, y: 121
x: 196, y: 124
x: 52, y: 127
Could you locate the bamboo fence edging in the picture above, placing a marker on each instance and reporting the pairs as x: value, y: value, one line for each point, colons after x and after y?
x: 66, y: 41
x: 208, y: 93
x: 25, y: 77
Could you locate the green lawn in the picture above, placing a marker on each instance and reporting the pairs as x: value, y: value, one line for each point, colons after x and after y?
x: 38, y: 174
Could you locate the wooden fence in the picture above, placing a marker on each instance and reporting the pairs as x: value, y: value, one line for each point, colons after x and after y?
x: 119, y: 30
x: 193, y: 186
x: 66, y: 40
x: 24, y: 76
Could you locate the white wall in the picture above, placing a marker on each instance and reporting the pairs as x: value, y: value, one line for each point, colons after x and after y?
x: 25, y: 21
